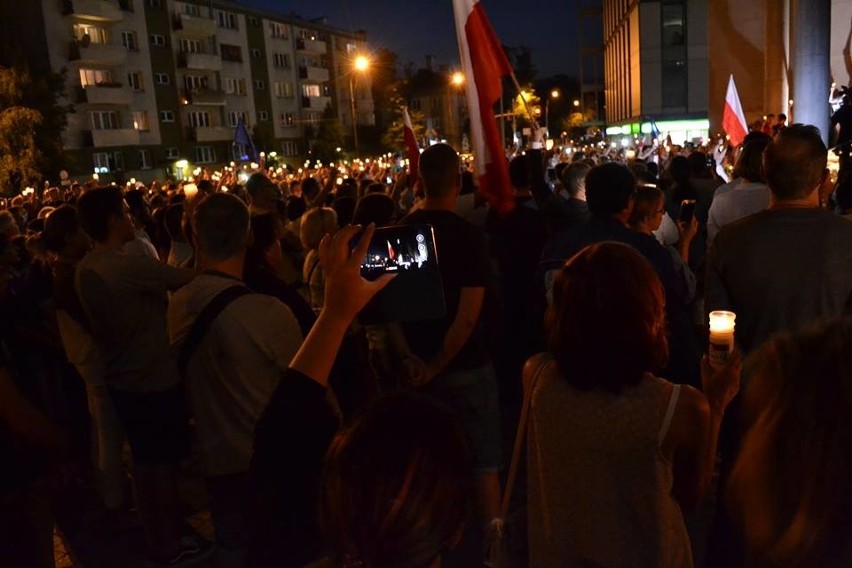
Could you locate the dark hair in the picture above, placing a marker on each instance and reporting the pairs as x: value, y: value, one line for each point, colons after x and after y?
x: 345, y: 209
x: 296, y: 207
x: 58, y: 226
x: 206, y: 186
x: 782, y: 116
x: 680, y: 171
x: 645, y: 205
x: 698, y: 164
x: 795, y: 161
x: 607, y: 299
x: 136, y: 200
x: 376, y: 187
x: 220, y: 225
x: 96, y: 207
x: 375, y: 208
x: 310, y: 189
x: 609, y: 188
x: 519, y: 172
x: 397, y: 485
x: 257, y: 183
x: 749, y: 165
x: 265, y: 231
x: 439, y: 170
x: 791, y: 478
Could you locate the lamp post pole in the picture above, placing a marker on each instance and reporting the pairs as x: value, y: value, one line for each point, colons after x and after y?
x: 354, y: 119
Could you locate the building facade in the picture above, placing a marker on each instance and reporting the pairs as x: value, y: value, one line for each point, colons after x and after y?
x: 671, y: 60
x: 159, y: 86
x: 656, y: 67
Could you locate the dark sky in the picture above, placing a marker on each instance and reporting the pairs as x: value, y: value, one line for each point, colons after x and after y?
x: 417, y: 28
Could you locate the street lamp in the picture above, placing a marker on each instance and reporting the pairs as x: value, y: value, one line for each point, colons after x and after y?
x: 576, y: 103
x: 361, y: 64
x: 457, y: 78
x: 554, y: 94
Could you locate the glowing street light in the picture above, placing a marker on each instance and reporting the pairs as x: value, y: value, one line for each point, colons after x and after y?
x: 554, y: 94
x: 576, y: 103
x: 457, y: 78
x: 362, y: 63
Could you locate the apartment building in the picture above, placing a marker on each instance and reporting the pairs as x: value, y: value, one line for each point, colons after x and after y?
x: 159, y: 86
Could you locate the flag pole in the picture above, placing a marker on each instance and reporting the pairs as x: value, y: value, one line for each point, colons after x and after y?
x: 524, y: 100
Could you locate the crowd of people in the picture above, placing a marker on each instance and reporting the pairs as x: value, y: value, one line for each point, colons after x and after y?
x: 217, y: 323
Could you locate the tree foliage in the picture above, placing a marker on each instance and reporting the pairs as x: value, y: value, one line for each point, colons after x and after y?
x: 43, y: 94
x: 393, y: 138
x: 329, y: 137
x: 533, y: 105
x: 19, y: 155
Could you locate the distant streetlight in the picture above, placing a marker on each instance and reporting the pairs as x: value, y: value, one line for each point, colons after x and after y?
x: 554, y: 94
x: 576, y: 103
x: 457, y: 79
x: 360, y: 64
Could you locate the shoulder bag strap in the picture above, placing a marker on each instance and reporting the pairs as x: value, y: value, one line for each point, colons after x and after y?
x: 520, y: 435
x: 204, y: 321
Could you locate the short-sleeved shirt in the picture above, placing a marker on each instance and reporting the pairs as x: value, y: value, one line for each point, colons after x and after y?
x: 235, y: 369
x: 464, y: 263
x: 124, y: 296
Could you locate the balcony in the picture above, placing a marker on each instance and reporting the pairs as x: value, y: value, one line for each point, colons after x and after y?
x: 311, y: 46
x: 105, y: 94
x: 97, y: 54
x: 310, y: 73
x: 203, y: 96
x: 93, y: 10
x: 194, y: 25
x: 210, y: 133
x: 318, y: 103
x: 113, y: 137
x: 200, y: 61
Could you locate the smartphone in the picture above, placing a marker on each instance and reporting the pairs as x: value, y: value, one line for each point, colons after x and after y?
x: 417, y: 292
x: 687, y: 210
x: 551, y: 175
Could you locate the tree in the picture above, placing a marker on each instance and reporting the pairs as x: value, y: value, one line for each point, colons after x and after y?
x: 43, y: 94
x: 393, y: 139
x: 521, y: 59
x: 329, y: 137
x: 522, y: 111
x: 19, y: 155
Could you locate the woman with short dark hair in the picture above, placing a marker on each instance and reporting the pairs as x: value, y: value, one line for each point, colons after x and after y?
x: 397, y: 486
x: 615, y: 452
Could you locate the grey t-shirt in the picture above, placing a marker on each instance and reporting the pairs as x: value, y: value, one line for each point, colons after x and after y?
x: 124, y: 296
x: 781, y: 270
x: 236, y: 368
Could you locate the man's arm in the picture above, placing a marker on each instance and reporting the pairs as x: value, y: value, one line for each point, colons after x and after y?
x: 470, y: 306
x: 149, y: 275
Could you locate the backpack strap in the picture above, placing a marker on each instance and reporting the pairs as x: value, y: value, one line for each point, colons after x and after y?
x: 204, y: 321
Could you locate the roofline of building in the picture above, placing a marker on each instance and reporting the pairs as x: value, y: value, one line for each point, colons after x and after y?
x: 312, y: 23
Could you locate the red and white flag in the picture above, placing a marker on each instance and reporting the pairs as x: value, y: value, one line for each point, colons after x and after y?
x: 733, y: 119
x: 411, y: 147
x: 484, y: 64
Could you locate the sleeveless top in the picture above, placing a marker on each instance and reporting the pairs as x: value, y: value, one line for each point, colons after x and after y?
x: 599, y: 487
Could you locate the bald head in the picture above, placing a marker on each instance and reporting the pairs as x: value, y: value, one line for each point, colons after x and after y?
x: 794, y: 162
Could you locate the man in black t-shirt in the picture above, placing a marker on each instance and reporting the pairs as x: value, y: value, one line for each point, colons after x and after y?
x: 448, y: 357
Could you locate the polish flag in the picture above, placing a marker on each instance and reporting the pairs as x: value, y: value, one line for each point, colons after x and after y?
x: 733, y: 120
x: 484, y: 64
x: 411, y: 147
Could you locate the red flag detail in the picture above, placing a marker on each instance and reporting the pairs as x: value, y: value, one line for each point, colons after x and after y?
x: 733, y: 119
x: 484, y: 61
x: 411, y: 147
